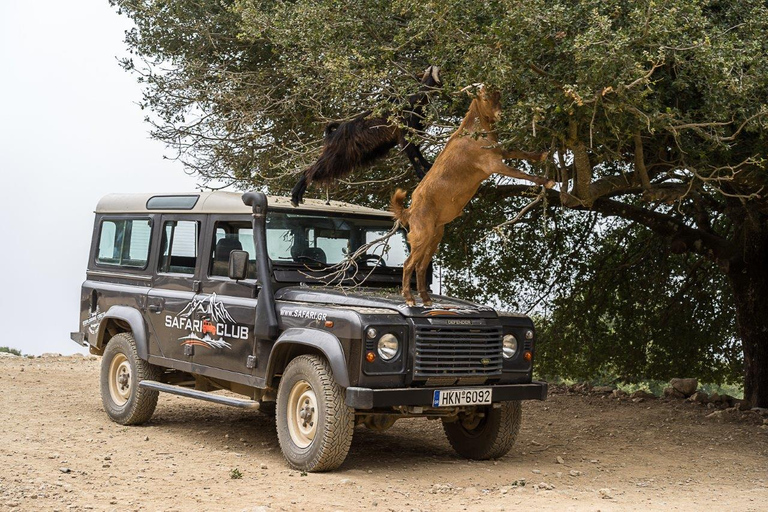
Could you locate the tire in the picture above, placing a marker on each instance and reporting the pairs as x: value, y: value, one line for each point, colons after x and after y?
x: 319, y: 440
x: 489, y: 438
x: 121, y: 371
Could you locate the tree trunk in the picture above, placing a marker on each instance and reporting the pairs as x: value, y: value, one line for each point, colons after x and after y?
x: 748, y: 275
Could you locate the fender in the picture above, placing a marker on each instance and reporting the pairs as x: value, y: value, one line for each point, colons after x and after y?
x: 328, y: 344
x: 135, y: 320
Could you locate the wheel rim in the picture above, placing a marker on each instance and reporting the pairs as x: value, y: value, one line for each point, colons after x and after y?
x: 302, y: 414
x: 474, y: 425
x: 120, y: 381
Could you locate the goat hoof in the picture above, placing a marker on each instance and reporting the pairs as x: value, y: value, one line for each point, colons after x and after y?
x: 427, y: 303
x: 410, y: 303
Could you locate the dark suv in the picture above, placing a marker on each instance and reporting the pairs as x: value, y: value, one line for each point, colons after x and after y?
x: 194, y: 293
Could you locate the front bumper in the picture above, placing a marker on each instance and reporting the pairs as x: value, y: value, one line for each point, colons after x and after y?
x: 366, y: 398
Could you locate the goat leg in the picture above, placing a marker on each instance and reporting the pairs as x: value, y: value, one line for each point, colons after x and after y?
x: 297, y: 193
x: 407, y: 273
x: 499, y: 167
x: 420, y: 164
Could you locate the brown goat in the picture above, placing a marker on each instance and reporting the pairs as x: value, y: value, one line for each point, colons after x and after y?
x: 469, y: 157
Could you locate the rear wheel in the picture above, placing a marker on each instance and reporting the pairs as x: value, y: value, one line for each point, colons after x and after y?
x: 314, y: 425
x: 121, y: 371
x: 488, y: 435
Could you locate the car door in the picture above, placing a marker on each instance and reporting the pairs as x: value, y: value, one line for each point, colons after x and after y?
x: 171, y: 302
x: 227, y: 308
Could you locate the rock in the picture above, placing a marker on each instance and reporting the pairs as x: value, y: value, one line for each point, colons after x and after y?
x: 536, y: 471
x: 602, y: 389
x: 699, y: 397
x: 727, y: 400
x: 671, y: 392
x: 641, y: 393
x: 560, y: 460
x: 262, y: 466
x: 347, y: 481
x: 65, y: 470
x: 605, y: 494
x: 619, y: 393
x: 574, y: 472
x: 685, y: 386
x: 744, y: 405
x: 750, y: 417
x: 8, y: 354
x: 45, y: 355
x: 544, y: 486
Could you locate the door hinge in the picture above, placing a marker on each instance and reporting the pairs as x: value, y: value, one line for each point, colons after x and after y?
x: 189, y: 350
x: 250, y: 362
x: 197, y: 285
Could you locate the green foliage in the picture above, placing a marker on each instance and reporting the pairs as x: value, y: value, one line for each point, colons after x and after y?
x: 235, y: 474
x: 10, y: 351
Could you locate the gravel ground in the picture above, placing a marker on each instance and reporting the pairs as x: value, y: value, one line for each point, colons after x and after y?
x: 59, y: 451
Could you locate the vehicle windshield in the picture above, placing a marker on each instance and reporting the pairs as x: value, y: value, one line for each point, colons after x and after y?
x: 329, y: 239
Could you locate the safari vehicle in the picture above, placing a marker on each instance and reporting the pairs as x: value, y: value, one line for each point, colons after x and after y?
x: 195, y: 293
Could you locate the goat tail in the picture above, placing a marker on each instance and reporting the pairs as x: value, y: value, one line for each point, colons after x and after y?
x: 396, y: 206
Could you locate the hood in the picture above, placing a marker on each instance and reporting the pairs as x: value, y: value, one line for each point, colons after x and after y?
x: 383, y: 298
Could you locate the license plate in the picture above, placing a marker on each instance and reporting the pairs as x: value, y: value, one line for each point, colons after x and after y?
x: 457, y: 397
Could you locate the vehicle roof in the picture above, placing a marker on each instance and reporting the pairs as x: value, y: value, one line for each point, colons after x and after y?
x: 225, y: 202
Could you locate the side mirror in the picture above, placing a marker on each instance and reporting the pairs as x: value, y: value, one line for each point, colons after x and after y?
x: 238, y: 265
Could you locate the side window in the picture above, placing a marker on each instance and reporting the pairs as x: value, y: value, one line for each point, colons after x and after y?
x: 230, y: 236
x: 179, y: 247
x: 124, y: 243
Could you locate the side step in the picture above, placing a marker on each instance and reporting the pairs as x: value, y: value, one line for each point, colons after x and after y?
x: 200, y: 395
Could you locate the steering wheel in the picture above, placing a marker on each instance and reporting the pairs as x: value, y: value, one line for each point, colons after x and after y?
x: 309, y: 259
x: 379, y: 260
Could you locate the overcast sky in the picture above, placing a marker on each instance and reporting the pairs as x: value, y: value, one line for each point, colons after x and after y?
x: 71, y: 132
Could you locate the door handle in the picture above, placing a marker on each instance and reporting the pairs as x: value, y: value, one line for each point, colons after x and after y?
x: 154, y: 308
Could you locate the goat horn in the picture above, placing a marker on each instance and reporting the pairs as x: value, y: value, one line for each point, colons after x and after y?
x: 436, y: 73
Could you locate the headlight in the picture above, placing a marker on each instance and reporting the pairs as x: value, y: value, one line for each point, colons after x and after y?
x: 509, y: 346
x: 388, y: 346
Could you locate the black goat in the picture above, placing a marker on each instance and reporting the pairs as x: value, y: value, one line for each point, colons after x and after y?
x: 363, y: 139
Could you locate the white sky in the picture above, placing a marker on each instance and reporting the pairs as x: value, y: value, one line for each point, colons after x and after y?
x: 70, y: 132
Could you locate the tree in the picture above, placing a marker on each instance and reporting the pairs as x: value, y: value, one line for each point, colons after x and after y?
x: 654, y: 112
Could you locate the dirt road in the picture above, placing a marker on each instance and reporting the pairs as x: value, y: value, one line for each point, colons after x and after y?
x: 58, y: 451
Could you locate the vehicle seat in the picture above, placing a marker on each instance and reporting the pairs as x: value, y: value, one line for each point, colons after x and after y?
x: 226, y: 245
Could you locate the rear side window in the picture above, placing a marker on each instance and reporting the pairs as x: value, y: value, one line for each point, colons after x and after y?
x: 124, y: 243
x: 179, y: 247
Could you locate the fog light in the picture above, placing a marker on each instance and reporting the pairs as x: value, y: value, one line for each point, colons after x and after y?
x: 509, y: 346
x: 388, y: 346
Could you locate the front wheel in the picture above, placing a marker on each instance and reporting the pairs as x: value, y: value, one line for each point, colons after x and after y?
x: 488, y: 435
x: 314, y: 424
x: 121, y: 371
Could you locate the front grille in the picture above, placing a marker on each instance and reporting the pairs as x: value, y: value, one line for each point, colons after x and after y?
x: 457, y: 351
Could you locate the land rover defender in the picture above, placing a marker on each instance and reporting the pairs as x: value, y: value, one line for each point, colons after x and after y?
x: 195, y: 293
